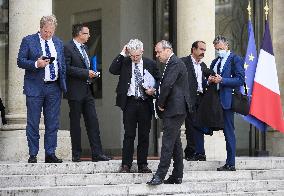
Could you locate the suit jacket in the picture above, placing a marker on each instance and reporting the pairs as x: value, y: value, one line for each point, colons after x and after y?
x: 30, y: 50
x: 77, y: 73
x: 233, y: 76
x: 192, y: 80
x: 122, y: 66
x: 174, y: 94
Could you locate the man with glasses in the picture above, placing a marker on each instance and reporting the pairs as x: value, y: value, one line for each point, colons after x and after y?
x: 136, y: 101
x: 80, y: 78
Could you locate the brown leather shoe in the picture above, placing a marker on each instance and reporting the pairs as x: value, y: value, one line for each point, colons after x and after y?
x: 144, y: 169
x: 124, y: 169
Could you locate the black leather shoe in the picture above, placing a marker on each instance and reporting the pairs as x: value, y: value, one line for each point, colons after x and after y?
x: 173, y: 180
x: 100, y: 158
x: 197, y: 157
x: 227, y: 168
x: 156, y: 180
x: 32, y: 159
x: 52, y: 159
x: 76, y: 159
x: 144, y: 169
x: 124, y: 169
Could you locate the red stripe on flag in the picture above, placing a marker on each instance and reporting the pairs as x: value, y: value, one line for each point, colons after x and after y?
x: 266, y: 106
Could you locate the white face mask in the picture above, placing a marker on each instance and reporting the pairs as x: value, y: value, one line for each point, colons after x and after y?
x: 221, y: 53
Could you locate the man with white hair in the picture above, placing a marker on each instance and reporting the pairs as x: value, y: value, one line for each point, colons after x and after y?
x: 136, y: 101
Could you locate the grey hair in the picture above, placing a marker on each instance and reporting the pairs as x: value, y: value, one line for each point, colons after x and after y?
x: 134, y: 44
x: 48, y: 19
x: 220, y: 38
x: 166, y: 44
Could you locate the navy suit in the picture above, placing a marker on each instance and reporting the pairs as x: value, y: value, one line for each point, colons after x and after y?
x: 40, y: 95
x: 233, y: 76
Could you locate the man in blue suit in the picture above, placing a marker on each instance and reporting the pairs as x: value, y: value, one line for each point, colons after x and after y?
x: 230, y: 74
x: 41, y: 56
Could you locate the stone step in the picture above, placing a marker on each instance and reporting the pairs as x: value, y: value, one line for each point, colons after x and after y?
x: 256, y: 193
x: 187, y: 188
x: 113, y: 166
x: 7, y: 181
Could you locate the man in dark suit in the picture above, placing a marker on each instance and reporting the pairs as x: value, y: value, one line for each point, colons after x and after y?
x: 174, y: 103
x: 230, y: 74
x: 44, y: 82
x: 80, y: 95
x: 136, y: 101
x: 194, y: 150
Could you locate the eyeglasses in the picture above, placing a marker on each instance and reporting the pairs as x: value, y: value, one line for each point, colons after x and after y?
x: 135, y: 56
x: 86, y: 33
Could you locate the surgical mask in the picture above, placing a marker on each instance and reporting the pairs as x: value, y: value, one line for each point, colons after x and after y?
x: 221, y: 53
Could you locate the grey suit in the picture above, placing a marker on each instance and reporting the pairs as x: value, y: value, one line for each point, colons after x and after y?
x: 175, y: 99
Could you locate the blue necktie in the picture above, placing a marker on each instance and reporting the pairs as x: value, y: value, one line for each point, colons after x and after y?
x: 85, y: 56
x: 51, y: 66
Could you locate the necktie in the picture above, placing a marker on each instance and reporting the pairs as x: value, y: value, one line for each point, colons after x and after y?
x: 219, y: 66
x: 51, y: 66
x: 138, y: 82
x: 85, y: 56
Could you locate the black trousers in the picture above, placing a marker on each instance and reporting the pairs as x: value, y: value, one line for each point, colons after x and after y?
x: 190, y: 145
x: 137, y: 112
x: 86, y: 107
x: 171, y: 147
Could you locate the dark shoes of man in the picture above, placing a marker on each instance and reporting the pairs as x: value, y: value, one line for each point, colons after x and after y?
x: 156, y: 180
x: 124, y: 169
x: 144, y: 169
x: 173, y: 180
x: 101, y: 157
x: 227, y: 168
x: 32, y: 159
x: 197, y: 157
x: 76, y: 159
x: 52, y: 159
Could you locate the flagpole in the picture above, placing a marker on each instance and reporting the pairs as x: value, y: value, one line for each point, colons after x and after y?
x: 250, y: 125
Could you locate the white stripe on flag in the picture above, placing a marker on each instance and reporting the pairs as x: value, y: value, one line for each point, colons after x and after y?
x: 266, y: 73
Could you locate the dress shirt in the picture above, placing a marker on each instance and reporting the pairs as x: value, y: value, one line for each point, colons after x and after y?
x: 198, y: 74
x: 131, y: 89
x: 78, y: 45
x: 53, y: 54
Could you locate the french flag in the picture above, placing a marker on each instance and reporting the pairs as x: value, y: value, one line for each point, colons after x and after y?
x: 266, y: 101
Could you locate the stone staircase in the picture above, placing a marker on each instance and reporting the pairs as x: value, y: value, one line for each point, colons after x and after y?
x: 254, y: 176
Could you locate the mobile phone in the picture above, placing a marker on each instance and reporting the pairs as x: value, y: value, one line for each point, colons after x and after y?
x: 50, y: 58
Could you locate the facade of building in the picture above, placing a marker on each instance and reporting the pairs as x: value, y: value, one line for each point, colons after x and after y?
x: 112, y: 24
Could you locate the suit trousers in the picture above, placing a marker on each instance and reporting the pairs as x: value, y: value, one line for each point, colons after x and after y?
x: 171, y: 147
x: 137, y: 112
x: 229, y: 133
x: 49, y: 100
x: 87, y: 107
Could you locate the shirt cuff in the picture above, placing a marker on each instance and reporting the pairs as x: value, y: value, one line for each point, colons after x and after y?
x: 123, y: 53
x: 36, y: 64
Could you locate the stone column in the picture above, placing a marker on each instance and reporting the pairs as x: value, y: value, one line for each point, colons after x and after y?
x: 24, y: 18
x: 196, y: 21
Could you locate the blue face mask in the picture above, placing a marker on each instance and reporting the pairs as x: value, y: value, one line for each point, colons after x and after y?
x: 221, y: 53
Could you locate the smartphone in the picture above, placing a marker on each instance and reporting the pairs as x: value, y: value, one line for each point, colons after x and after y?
x: 50, y: 58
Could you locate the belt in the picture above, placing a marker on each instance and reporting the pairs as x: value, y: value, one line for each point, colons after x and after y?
x: 50, y: 82
x: 135, y: 98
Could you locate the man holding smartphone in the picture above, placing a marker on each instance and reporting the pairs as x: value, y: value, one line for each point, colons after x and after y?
x: 135, y: 101
x: 43, y: 85
x: 80, y: 78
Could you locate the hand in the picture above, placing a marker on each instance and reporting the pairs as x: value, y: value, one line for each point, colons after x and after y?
x: 92, y: 74
x: 218, y: 78
x: 42, y: 63
x: 211, y: 79
x: 125, y: 51
x: 150, y: 91
x: 161, y: 109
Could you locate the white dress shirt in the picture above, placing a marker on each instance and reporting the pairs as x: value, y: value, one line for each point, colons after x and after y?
x: 78, y: 45
x: 53, y: 54
x: 131, y: 89
x: 198, y: 74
